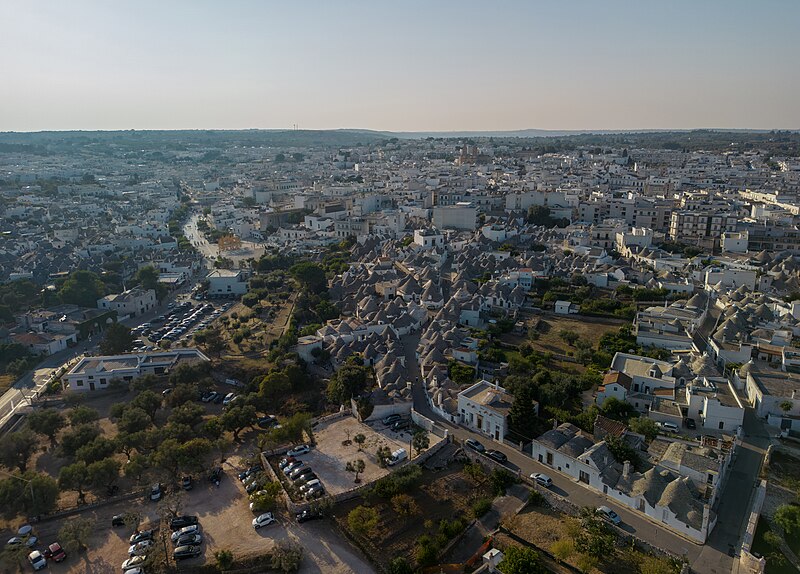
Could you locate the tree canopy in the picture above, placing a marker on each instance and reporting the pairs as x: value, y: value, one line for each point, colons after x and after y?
x: 82, y: 288
x: 117, y: 339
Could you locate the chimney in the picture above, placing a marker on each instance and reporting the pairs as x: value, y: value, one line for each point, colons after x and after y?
x: 794, y: 393
x: 626, y: 469
x: 555, y: 424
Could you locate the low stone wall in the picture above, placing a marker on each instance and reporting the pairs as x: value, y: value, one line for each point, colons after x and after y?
x: 84, y: 507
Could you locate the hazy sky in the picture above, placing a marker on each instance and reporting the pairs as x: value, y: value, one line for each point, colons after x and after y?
x: 399, y: 65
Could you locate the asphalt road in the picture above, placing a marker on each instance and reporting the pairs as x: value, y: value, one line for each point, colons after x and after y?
x: 711, y: 558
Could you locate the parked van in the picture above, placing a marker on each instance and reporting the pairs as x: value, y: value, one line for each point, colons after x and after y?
x: 397, y: 456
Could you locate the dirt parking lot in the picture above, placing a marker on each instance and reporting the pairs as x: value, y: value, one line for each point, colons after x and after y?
x: 329, y: 457
x: 225, y: 519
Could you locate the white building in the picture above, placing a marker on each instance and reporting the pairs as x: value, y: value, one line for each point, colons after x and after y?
x: 130, y: 303
x: 428, y: 238
x: 93, y: 373
x: 566, y: 308
x: 226, y: 283
x: 484, y: 407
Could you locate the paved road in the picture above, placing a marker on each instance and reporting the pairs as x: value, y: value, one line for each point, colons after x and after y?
x: 711, y: 558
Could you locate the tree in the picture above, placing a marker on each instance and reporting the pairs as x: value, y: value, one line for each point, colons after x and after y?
x: 147, y: 278
x: 136, y: 467
x: 275, y: 386
x: 82, y: 415
x: 521, y: 560
x: 286, y: 556
x: 31, y: 492
x: 134, y: 420
x: 616, y: 409
x: 100, y: 448
x: 622, y: 451
x: 359, y: 439
x: 82, y: 288
x: 235, y: 419
x: 224, y: 559
x: 356, y: 467
x: 787, y: 516
x: 280, y: 158
x: 595, y: 539
x: 569, y: 337
x: 421, y: 441
x: 74, y: 534
x: 78, y: 436
x: 117, y: 339
x: 149, y: 402
x: 644, y: 426
x: 384, y: 455
x: 363, y: 520
x: 187, y: 414
x: 310, y: 275
x: 103, y: 474
x: 47, y: 422
x: 16, y: 449
x: 786, y: 406
x: 182, y: 394
x: 404, y: 505
x: 523, y: 410
x: 74, y: 477
x: 400, y: 565
x: 348, y: 381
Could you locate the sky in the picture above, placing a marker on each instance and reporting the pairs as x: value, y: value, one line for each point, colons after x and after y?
x: 433, y: 65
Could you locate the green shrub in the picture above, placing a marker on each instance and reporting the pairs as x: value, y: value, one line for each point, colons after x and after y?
x: 481, y: 507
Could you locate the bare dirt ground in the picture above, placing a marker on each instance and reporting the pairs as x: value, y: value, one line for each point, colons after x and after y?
x: 226, y: 524
x: 329, y: 457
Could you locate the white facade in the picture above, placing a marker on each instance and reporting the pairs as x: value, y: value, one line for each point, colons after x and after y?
x: 225, y: 282
x: 484, y: 407
x: 133, y: 302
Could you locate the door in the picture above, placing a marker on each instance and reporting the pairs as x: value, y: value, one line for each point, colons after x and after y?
x: 91, y: 385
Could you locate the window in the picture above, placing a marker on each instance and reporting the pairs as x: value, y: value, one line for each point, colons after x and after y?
x: 549, y: 459
x: 721, y: 425
x: 79, y: 383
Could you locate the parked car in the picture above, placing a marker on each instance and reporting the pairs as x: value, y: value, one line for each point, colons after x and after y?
x: 37, y: 560
x: 474, y: 445
x: 263, y: 520
x: 267, y: 422
x: 668, y: 426
x: 186, y: 483
x: 138, y: 536
x: 307, y: 515
x: 290, y: 467
x: 216, y: 475
x: 209, y: 397
x: 608, y: 514
x: 286, y: 461
x: 298, y: 450
x: 140, y: 548
x: 182, y: 521
x: 185, y: 530
x: 253, y: 486
x: 118, y: 520
x: 391, y: 419
x: 156, y: 492
x: 689, y: 423
x: 315, y: 492
x: 194, y: 539
x: 497, y: 455
x: 228, y: 399
x: 132, y: 562
x: 298, y: 472
x: 542, y: 479
x: 55, y: 553
x: 308, y: 485
x: 182, y: 552
x: 219, y: 398
x: 306, y: 478
x: 250, y: 471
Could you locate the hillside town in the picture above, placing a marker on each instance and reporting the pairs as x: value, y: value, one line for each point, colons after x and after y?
x: 448, y: 350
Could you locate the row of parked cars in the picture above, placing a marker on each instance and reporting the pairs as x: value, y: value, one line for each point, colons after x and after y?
x: 182, y: 320
x: 186, y: 538
x: 300, y: 474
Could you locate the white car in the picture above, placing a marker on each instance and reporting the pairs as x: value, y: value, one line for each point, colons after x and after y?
x: 263, y: 520
x: 542, y: 479
x: 310, y: 484
x: 298, y: 450
x: 609, y: 515
x: 134, y: 562
x: 185, y: 530
x: 37, y: 560
x: 140, y: 548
